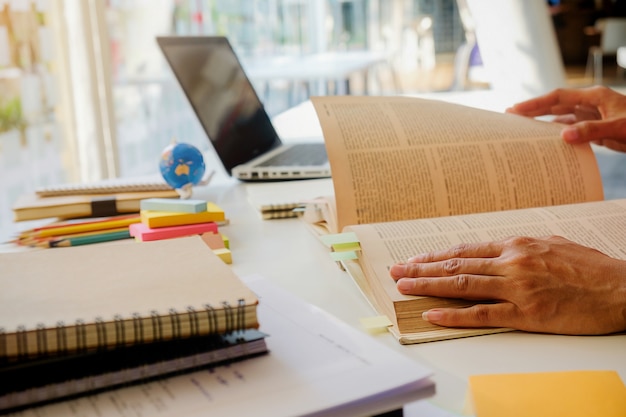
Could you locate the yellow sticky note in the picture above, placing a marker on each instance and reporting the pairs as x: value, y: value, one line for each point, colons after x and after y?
x: 338, y: 238
x: 224, y: 254
x: 348, y: 246
x: 216, y: 211
x: 376, y: 324
x: 549, y: 394
x: 226, y: 241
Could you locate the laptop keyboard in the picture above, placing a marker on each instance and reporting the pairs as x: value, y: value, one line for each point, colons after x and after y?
x: 304, y: 154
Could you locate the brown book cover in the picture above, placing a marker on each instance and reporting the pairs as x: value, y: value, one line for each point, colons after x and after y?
x: 117, y: 294
x: 33, y: 207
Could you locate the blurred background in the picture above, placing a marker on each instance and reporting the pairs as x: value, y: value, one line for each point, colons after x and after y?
x: 85, y: 93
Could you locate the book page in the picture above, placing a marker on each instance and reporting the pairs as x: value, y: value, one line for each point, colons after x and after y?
x: 593, y: 224
x: 398, y: 158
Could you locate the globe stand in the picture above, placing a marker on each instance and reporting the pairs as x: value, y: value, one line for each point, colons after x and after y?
x: 186, y: 191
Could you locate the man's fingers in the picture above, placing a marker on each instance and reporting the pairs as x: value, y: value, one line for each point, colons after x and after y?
x: 589, y: 131
x: 463, y: 250
x: 464, y: 286
x: 447, y: 268
x: 560, y: 101
x: 479, y: 315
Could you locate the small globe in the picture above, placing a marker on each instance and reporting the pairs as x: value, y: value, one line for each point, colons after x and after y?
x: 182, y: 165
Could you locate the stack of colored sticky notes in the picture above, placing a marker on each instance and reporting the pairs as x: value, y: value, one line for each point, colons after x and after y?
x: 163, y: 218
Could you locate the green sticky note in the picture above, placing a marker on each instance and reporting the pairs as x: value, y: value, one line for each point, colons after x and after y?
x: 343, y: 256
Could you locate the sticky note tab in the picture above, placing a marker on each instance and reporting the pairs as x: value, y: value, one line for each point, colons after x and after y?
x: 213, y: 240
x: 343, y: 256
x: 224, y: 254
x: 339, y: 238
x: 217, y: 214
x: 548, y: 394
x: 226, y: 241
x: 174, y: 205
x: 145, y: 233
x: 349, y: 246
x: 376, y: 324
x: 154, y: 219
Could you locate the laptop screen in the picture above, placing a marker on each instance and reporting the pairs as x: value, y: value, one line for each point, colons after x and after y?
x: 223, y: 98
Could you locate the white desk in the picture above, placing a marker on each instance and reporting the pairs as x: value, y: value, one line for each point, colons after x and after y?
x: 288, y: 254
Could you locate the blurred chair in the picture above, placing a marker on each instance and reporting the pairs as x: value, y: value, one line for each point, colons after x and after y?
x: 612, y: 35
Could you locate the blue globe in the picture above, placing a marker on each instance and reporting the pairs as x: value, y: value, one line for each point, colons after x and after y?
x: 182, y: 165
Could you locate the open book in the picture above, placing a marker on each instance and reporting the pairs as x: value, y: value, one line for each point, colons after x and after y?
x: 405, y: 159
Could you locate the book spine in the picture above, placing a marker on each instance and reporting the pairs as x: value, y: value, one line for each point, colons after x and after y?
x: 100, y: 334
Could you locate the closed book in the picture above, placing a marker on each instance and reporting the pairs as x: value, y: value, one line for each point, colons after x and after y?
x: 117, y: 294
x: 32, y: 207
x: 33, y: 382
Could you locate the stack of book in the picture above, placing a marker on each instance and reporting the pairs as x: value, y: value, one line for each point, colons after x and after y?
x: 165, y: 219
x: 95, y: 317
x: 85, y: 213
x: 101, y: 199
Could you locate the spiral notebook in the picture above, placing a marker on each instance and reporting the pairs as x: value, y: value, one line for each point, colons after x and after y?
x: 117, y: 294
x: 38, y: 381
x: 110, y: 186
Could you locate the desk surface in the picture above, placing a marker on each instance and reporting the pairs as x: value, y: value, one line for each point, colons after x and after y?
x: 289, y: 255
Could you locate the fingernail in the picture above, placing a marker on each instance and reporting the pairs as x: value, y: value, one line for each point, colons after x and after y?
x: 398, y: 270
x: 570, y: 134
x: 405, y: 285
x: 432, y: 315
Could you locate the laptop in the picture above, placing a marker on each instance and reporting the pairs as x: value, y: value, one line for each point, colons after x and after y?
x: 233, y: 116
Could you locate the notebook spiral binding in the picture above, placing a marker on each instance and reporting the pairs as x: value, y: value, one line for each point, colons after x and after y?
x: 114, y: 334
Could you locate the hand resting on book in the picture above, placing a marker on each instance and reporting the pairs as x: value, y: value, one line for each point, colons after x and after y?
x: 595, y: 114
x: 549, y: 285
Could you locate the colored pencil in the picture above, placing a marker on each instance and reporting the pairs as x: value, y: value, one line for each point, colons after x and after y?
x: 90, y: 239
x: 44, y: 241
x: 66, y: 228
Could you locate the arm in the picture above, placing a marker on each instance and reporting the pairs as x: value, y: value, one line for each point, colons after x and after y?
x: 595, y: 114
x: 549, y: 285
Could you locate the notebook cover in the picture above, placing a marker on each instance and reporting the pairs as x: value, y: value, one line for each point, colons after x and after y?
x: 118, y: 293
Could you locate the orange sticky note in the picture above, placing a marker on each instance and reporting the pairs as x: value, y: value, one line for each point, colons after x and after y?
x: 549, y: 394
x: 213, y: 240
